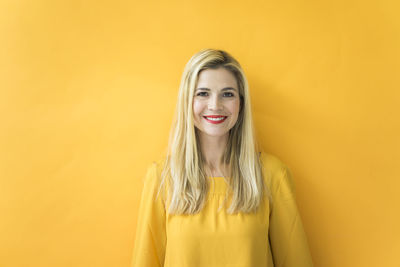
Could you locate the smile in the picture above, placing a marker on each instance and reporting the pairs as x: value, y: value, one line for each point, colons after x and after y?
x: 215, y: 119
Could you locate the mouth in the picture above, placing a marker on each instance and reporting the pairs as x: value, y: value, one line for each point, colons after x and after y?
x: 215, y: 119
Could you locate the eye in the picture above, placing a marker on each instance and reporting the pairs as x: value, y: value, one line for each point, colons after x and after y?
x: 201, y: 94
x: 229, y: 94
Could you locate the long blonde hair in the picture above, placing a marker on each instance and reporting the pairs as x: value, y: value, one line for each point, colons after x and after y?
x: 184, y: 164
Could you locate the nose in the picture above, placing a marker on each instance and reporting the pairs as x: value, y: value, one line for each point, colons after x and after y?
x: 214, y: 103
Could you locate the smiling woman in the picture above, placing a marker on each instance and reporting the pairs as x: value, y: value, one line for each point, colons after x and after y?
x: 213, y: 159
x: 216, y: 107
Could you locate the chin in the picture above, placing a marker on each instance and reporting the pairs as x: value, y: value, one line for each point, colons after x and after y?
x: 215, y: 134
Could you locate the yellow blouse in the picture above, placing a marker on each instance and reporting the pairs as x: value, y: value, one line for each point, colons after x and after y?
x: 273, y: 236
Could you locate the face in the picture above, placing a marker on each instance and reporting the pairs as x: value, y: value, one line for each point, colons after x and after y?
x: 216, y: 102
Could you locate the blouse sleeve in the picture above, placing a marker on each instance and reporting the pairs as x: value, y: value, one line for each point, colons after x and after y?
x: 150, y: 240
x: 286, y: 234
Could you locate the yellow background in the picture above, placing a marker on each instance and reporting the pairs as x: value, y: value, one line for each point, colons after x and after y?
x: 88, y: 91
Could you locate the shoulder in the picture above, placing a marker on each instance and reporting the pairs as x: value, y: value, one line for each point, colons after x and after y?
x: 154, y: 171
x: 271, y: 163
x: 152, y: 180
x: 157, y: 165
x: 275, y: 171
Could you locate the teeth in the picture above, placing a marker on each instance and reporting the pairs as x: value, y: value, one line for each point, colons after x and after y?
x: 215, y: 119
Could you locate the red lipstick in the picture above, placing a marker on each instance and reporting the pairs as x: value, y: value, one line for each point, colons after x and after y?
x: 217, y: 118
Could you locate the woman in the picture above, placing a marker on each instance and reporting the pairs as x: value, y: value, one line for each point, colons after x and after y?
x: 213, y: 160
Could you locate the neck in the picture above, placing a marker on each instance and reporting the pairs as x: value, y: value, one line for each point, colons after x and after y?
x: 213, y: 149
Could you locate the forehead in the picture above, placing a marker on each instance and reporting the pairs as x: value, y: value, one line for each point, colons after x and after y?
x: 216, y: 78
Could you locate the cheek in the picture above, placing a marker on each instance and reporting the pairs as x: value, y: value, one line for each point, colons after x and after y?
x: 235, y: 107
x: 197, y: 107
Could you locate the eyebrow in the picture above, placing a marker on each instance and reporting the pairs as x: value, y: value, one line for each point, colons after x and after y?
x: 224, y: 89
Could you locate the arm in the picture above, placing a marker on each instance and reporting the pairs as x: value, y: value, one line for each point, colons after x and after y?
x: 287, y: 237
x: 150, y: 240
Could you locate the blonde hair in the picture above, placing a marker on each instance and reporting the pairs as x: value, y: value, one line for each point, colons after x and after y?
x: 184, y: 163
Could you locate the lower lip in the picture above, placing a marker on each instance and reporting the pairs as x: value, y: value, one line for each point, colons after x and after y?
x: 215, y: 122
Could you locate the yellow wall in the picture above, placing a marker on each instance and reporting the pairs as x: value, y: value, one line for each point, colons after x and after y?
x: 88, y: 91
